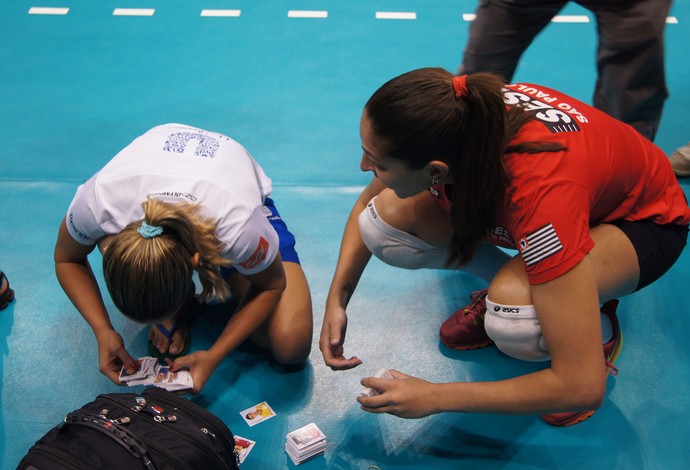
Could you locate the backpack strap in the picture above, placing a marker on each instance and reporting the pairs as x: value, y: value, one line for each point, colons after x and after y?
x: 123, y: 437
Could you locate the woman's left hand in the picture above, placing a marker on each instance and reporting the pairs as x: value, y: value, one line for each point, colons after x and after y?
x: 201, y: 365
x: 404, y: 396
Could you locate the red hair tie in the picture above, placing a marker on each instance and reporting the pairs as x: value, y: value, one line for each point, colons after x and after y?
x: 460, y: 86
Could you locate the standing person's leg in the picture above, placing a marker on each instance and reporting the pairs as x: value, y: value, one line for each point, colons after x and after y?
x: 501, y: 31
x: 631, y: 83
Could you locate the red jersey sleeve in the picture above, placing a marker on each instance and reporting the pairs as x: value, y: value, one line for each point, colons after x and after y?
x: 550, y: 229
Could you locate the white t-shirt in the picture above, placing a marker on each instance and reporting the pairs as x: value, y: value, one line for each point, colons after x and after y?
x: 178, y: 163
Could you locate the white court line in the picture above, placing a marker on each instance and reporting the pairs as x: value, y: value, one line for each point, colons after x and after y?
x: 48, y: 11
x: 380, y: 15
x: 307, y: 14
x: 566, y: 18
x: 555, y: 19
x: 134, y: 11
x: 222, y: 13
x: 570, y: 19
x: 396, y: 15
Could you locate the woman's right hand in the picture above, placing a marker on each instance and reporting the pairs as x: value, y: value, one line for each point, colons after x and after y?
x: 112, y: 355
x: 352, y: 260
x: 79, y: 283
x: 333, y: 338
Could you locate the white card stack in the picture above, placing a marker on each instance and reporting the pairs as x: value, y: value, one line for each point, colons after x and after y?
x: 305, y: 443
x: 370, y: 392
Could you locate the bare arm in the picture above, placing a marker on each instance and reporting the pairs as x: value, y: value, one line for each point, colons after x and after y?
x: 352, y: 260
x: 568, y: 312
x: 79, y: 283
x: 257, y: 306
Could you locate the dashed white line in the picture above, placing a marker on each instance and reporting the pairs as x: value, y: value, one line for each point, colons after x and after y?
x: 48, y: 11
x: 134, y: 11
x: 222, y: 13
x: 307, y: 14
x: 396, y: 15
x: 380, y: 15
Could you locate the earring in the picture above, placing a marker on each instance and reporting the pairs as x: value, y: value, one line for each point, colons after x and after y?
x: 434, y: 181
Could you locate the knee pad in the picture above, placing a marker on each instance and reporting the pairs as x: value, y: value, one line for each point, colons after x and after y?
x: 516, y: 331
x: 395, y: 247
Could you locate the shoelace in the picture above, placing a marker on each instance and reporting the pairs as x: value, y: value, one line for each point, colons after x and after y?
x: 477, y: 306
x: 478, y: 303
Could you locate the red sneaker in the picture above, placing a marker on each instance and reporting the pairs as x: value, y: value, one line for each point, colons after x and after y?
x: 465, y: 329
x: 612, y: 349
x: 6, y: 294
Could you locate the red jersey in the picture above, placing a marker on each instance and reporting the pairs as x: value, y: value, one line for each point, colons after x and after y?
x: 606, y: 172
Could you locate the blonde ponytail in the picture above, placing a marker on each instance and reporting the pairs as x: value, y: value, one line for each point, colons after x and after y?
x: 148, y: 266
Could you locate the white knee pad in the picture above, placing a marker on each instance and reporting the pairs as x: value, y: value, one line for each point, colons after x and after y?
x: 395, y: 247
x: 516, y: 331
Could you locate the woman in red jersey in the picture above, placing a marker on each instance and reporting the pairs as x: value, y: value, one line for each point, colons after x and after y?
x: 464, y: 164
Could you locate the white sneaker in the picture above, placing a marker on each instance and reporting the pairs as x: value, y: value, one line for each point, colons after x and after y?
x: 680, y: 161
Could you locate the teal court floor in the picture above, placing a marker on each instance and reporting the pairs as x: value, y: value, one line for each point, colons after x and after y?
x: 288, y: 79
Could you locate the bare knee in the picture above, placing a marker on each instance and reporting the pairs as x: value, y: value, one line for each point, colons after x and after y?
x: 289, y: 334
x: 511, y: 285
x: 291, y: 348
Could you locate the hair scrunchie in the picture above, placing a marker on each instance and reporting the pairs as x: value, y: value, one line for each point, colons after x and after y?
x: 149, y: 231
x: 460, y: 86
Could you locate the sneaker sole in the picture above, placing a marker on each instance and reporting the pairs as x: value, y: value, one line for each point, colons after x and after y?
x: 577, y: 418
x: 580, y: 417
x: 617, y: 351
x: 466, y: 347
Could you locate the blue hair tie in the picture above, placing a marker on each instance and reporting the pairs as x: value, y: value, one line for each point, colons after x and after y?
x: 149, y: 231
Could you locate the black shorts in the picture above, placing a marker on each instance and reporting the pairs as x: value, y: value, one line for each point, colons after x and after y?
x: 657, y: 246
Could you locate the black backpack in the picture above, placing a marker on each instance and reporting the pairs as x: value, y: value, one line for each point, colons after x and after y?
x: 157, y: 430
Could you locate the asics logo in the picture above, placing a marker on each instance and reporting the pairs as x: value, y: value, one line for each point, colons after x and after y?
x: 506, y: 309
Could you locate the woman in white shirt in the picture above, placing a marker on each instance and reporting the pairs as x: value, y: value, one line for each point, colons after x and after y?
x: 176, y: 200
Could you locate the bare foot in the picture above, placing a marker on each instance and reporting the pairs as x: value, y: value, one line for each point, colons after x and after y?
x: 175, y: 344
x: 162, y: 343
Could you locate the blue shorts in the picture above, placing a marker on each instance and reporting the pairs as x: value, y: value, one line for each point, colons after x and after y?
x: 285, y: 237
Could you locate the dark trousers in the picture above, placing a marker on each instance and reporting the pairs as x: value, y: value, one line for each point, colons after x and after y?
x: 631, y: 82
